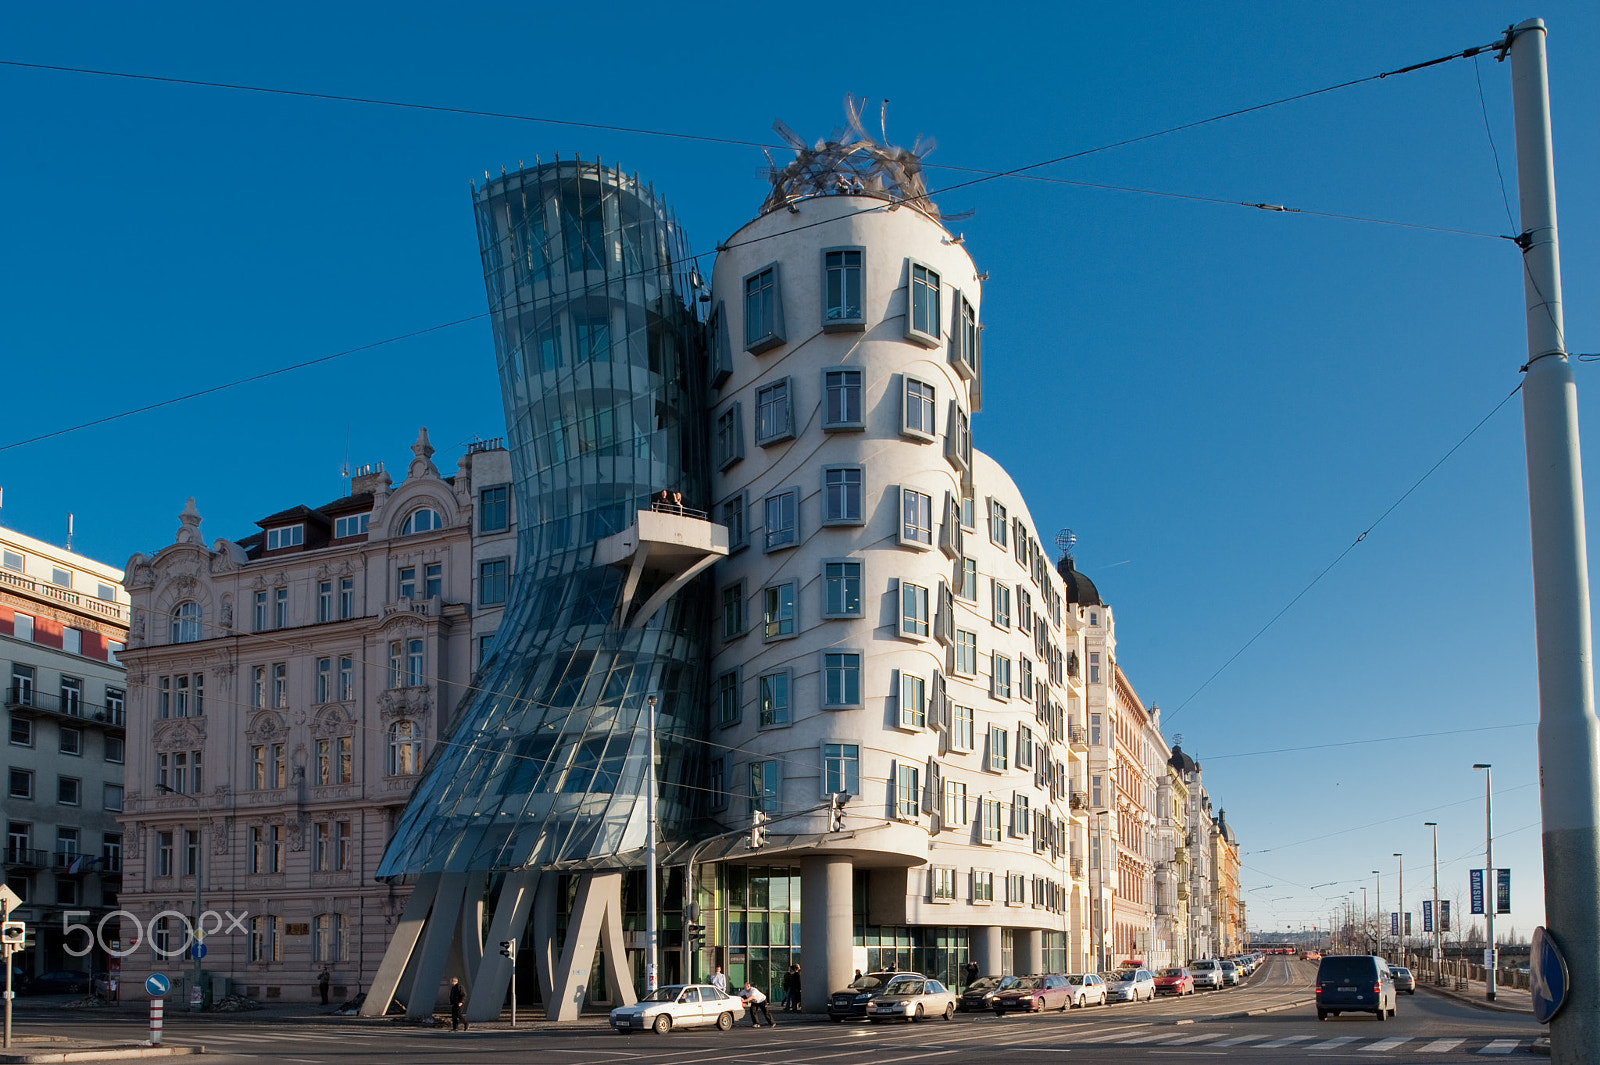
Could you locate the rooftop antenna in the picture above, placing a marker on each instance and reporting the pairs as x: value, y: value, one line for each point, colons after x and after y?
x: 69, y: 531
x: 1064, y: 541
x: 344, y: 467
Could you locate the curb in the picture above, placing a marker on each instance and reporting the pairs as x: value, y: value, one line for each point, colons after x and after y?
x: 1475, y: 1003
x: 104, y: 1054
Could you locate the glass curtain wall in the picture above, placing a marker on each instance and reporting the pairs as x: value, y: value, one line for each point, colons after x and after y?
x: 599, y: 344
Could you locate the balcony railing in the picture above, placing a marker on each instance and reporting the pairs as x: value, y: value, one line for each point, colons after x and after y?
x: 1078, y: 801
x: 1078, y: 736
x: 86, y: 603
x: 1077, y: 868
x: 26, y: 857
x: 26, y: 697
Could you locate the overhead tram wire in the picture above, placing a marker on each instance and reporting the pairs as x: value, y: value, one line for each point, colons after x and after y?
x: 983, y: 176
x: 1341, y: 556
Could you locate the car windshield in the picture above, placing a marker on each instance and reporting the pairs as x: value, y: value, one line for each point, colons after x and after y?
x: 665, y: 994
x: 1399, y: 970
x: 904, y: 986
x: 1024, y: 983
x: 984, y: 983
x: 1173, y: 972
x: 870, y: 982
x: 1075, y: 978
x: 1126, y: 974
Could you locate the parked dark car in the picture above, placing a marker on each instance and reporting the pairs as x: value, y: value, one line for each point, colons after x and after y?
x: 850, y: 1003
x: 1034, y: 994
x: 58, y: 982
x: 1354, y: 983
x: 979, y: 994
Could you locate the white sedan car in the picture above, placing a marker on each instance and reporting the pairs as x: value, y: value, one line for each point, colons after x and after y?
x: 1131, y: 985
x: 1087, y: 989
x: 678, y: 1006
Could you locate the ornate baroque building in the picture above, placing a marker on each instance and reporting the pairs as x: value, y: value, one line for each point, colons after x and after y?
x: 284, y: 692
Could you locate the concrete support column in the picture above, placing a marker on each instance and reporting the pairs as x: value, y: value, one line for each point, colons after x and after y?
x: 1028, y: 946
x: 827, y: 928
x: 986, y: 950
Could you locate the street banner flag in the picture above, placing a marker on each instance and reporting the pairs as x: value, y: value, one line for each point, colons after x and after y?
x: 1502, y: 891
x: 1444, y: 915
x: 1394, y: 923
x: 1408, y: 922
x: 1475, y: 880
x: 1427, y: 915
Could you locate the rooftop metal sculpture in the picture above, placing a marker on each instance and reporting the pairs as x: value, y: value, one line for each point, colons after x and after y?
x: 851, y: 162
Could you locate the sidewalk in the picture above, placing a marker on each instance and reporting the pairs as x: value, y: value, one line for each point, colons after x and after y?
x: 1506, y: 999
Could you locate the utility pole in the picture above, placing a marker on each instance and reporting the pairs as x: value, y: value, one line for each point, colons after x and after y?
x: 1378, y: 881
x: 1438, y: 942
x: 1569, y: 735
x: 1491, y: 957
x: 650, y: 932
x: 1400, y: 911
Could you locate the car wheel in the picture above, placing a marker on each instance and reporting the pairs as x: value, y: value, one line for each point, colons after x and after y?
x: 1322, y: 1015
x: 917, y: 1016
x: 663, y: 1024
x: 1063, y: 1006
x: 724, y: 1022
x: 950, y: 1012
x: 836, y: 1020
x: 999, y: 1013
x: 1083, y: 1002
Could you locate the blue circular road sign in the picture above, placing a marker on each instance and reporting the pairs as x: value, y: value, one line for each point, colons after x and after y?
x: 157, y: 985
x: 1548, y: 981
x: 199, y: 950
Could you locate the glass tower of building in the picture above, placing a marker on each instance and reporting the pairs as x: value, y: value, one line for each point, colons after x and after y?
x: 598, y: 342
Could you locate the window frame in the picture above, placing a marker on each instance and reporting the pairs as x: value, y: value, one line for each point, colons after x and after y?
x: 916, y: 616
x: 727, y: 436
x: 924, y: 405
x: 841, y: 322
x: 767, y: 613
x: 844, y: 669
x: 1000, y: 604
x: 792, y: 496
x: 963, y: 728
x: 739, y: 615
x: 781, y: 715
x: 843, y: 579
x: 964, y: 655
x: 829, y: 517
x: 727, y: 684
x: 911, y: 701
x: 848, y: 771
x: 285, y: 536
x: 830, y: 389
x: 767, y: 435
x: 765, y: 332
x: 504, y: 579
x: 926, y: 329
x: 738, y: 531
x: 999, y: 676
x: 907, y: 534
x: 500, y: 505
x: 907, y: 801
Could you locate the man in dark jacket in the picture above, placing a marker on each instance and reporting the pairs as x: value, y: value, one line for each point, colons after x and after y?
x: 458, y: 998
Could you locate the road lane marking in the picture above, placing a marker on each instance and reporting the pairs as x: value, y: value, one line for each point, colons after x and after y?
x: 1329, y: 1044
x: 1117, y: 1033
x: 1236, y: 1040
x: 1439, y: 1046
x: 1183, y: 1040
x: 1289, y: 1040
x: 1387, y: 1044
x: 1501, y: 1046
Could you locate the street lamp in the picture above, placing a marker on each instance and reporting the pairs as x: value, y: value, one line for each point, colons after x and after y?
x: 1378, y: 890
x: 199, y: 857
x: 1438, y: 948
x: 1400, y: 909
x: 650, y: 850
x: 1490, y: 956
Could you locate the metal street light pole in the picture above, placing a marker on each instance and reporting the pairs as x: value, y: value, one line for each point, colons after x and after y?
x: 1569, y: 733
x: 1378, y: 880
x: 1438, y: 948
x: 650, y: 850
x: 1491, y: 957
x: 1400, y: 911
x: 1364, y: 924
x: 199, y: 857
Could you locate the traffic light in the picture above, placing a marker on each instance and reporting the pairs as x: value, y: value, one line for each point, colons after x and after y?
x: 836, y: 811
x: 508, y: 948
x: 758, y: 829
x: 696, y: 936
x: 13, y: 933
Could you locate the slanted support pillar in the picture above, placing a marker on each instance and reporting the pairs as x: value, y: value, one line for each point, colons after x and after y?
x: 438, y: 937
x: 511, y: 910
x: 594, y: 924
x: 386, y: 982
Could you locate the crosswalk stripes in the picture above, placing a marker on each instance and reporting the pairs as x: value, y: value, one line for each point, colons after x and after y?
x: 1236, y: 1040
x: 1385, y: 1045
x: 1439, y: 1046
x: 1501, y: 1046
x: 1329, y: 1044
x: 1285, y: 1041
x: 1180, y: 1041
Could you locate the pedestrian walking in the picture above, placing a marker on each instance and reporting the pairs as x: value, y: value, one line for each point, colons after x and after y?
x: 458, y: 998
x: 791, y: 990
x: 756, y: 1002
x: 972, y: 973
x: 719, y: 980
x: 323, y: 980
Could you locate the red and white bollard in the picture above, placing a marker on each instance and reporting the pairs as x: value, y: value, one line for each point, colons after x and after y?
x: 156, y: 1011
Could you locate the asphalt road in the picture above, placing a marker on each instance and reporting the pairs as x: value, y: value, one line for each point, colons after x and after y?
x: 1199, y: 1028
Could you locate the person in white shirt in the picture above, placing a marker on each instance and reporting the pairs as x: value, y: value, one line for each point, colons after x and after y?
x: 719, y: 980
x: 756, y: 1002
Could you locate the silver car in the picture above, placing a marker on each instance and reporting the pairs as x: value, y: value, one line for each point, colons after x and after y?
x: 678, y: 1006
x: 911, y: 998
x: 1207, y: 974
x: 1131, y: 985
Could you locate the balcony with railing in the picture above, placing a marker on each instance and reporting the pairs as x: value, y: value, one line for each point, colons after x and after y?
x: 87, y: 604
x: 26, y: 858
x: 1078, y: 737
x: 1077, y: 868
x: 1077, y: 800
x: 23, y: 698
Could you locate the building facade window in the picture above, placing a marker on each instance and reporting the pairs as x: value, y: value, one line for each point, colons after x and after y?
x: 280, y: 608
x: 916, y: 518
x: 265, y: 943
x: 917, y: 410
x: 763, y: 310
x: 351, y: 525
x: 913, y: 701
x: 1002, y: 604
x: 186, y: 622
x: 955, y: 804
x: 494, y: 581
x: 424, y: 519
x: 494, y: 509
x: 943, y: 887
x: 841, y: 768
x: 405, y: 582
x: 842, y: 400
x: 1000, y: 676
x: 842, y: 495
x: 774, y: 412
x: 764, y: 787
x: 778, y: 611
x: 982, y: 885
x: 923, y: 323
x: 329, y: 941
x: 907, y: 791
x: 775, y: 699
x: 324, y: 600
x: 842, y: 288
x: 841, y: 589
x: 347, y: 598
x: 990, y: 823
x: 72, y: 696
x: 998, y: 758
x: 966, y: 654
x: 729, y: 439
x: 728, y: 698
x: 69, y: 791
x: 841, y: 680
x: 781, y: 519
x: 962, y: 724
x: 914, y: 611
x: 733, y: 623
x: 733, y: 516
x: 405, y: 749
x: 287, y: 536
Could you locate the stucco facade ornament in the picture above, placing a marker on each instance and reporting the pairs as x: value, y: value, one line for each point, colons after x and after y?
x: 189, y: 527
x: 181, y: 735
x: 131, y: 838
x: 422, y: 460
x: 265, y: 727
x: 405, y: 702
x: 218, y: 831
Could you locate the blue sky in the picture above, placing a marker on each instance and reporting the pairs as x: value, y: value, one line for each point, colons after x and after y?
x: 1217, y: 400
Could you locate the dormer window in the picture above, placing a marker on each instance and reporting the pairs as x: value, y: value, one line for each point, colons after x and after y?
x: 420, y: 521
x: 350, y: 525
x: 288, y: 536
